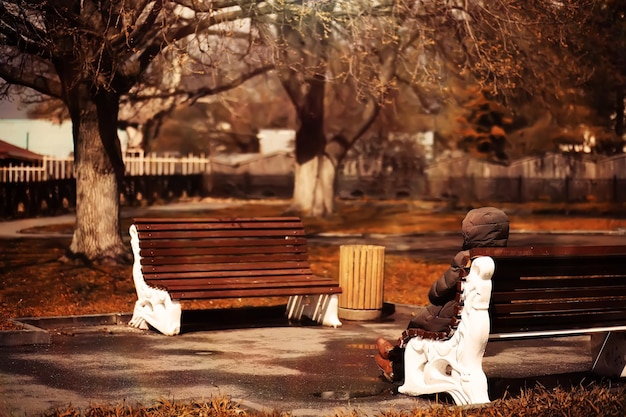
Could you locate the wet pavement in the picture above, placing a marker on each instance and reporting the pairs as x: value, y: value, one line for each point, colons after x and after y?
x: 255, y: 357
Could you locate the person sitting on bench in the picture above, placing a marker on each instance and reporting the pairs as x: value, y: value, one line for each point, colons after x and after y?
x: 482, y: 227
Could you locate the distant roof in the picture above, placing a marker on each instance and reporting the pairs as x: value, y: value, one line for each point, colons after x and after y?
x: 8, y: 151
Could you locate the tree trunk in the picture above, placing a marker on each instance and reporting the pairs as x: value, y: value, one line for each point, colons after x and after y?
x: 99, y: 170
x: 314, y: 187
x: 317, y: 157
x: 315, y: 172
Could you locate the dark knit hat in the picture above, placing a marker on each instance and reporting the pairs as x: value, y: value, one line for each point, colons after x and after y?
x: 485, y: 226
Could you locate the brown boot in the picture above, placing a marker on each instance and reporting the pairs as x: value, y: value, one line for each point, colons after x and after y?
x: 383, y: 347
x: 385, y: 366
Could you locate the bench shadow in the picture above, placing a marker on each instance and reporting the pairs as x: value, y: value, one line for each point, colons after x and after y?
x: 237, y: 318
x: 253, y: 317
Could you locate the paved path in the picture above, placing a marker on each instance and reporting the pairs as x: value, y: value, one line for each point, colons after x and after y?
x: 20, y: 228
x: 436, y: 246
x: 259, y: 361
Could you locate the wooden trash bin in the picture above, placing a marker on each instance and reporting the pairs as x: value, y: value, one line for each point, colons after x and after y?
x: 361, y: 273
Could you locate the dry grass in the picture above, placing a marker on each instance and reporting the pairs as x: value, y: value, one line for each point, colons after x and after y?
x: 537, y: 402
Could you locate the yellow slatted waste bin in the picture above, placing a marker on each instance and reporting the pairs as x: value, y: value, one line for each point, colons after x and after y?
x: 361, y: 273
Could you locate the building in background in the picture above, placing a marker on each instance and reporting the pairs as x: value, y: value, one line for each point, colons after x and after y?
x: 40, y: 136
x: 11, y: 154
x: 45, y: 137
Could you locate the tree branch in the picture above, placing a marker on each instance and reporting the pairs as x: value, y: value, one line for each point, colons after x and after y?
x: 40, y: 83
x: 18, y: 32
x: 206, y: 91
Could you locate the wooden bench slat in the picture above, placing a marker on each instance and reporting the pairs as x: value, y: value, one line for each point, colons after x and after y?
x: 173, y: 220
x: 211, y: 234
x: 244, y: 268
x: 561, y: 271
x: 214, y: 259
x: 512, y: 284
x: 215, y: 274
x: 296, y: 242
x: 226, y: 250
x: 200, y: 259
x: 558, y: 305
x: 533, y: 294
x: 241, y: 293
x: 548, y: 251
x: 544, y: 322
x: 571, y: 273
x: 234, y: 283
x: 551, y: 266
x: 182, y: 247
x: 220, y: 226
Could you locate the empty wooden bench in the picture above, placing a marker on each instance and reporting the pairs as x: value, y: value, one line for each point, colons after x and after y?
x: 524, y: 292
x: 206, y: 258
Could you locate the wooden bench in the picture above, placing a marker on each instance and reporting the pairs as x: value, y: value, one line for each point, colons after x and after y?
x: 525, y: 292
x: 206, y: 258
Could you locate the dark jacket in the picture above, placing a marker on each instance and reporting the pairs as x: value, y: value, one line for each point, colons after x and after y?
x: 482, y: 227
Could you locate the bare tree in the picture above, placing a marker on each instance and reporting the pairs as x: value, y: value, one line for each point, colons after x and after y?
x: 91, y: 54
x: 314, y: 45
x: 514, y: 52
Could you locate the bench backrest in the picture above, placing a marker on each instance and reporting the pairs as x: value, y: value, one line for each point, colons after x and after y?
x: 223, y: 258
x: 552, y: 290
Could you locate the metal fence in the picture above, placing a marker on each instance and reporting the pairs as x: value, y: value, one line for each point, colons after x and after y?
x: 521, y: 190
x: 53, y: 197
x: 49, y: 188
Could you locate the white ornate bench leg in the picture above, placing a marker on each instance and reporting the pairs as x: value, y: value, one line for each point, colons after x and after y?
x: 295, y: 305
x: 474, y: 331
x: 157, y: 309
x: 441, y: 374
x: 455, y: 365
x: 329, y: 305
x: 137, y: 320
x: 472, y: 378
x: 430, y: 367
x: 322, y: 308
x: 154, y: 306
x: 474, y: 386
x: 414, y: 363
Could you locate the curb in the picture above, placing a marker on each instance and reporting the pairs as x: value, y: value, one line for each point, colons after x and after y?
x: 27, y: 335
x: 39, y: 330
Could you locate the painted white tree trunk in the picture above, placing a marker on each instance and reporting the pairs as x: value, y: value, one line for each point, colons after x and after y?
x: 97, y: 235
x: 314, y: 187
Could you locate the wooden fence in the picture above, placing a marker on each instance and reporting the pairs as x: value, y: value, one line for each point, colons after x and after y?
x: 53, y: 168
